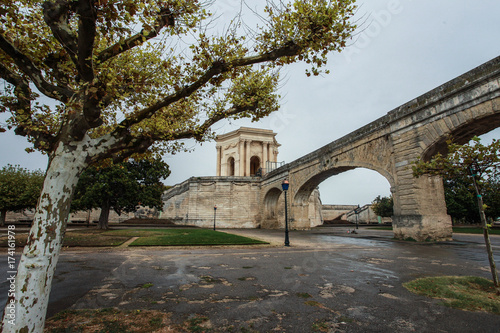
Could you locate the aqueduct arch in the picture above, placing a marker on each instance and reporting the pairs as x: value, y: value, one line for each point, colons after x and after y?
x: 463, y: 133
x: 271, y: 208
x: 305, y: 189
x: 420, y: 202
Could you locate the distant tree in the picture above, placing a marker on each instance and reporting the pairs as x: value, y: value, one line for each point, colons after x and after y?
x: 493, y: 198
x: 19, y: 189
x: 462, y: 204
x: 121, y: 187
x: 383, y: 206
x: 460, y: 200
x: 475, y: 163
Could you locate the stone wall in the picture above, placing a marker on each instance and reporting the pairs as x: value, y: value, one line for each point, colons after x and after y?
x: 192, y: 202
x: 239, y: 204
x: 367, y: 216
x: 346, y: 213
x: 336, y: 212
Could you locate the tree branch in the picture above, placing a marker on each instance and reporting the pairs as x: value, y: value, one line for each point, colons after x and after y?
x: 86, y: 37
x: 53, y: 61
x: 218, y: 67
x: 200, y: 131
x: 165, y: 18
x: 29, y: 69
x: 55, y: 14
x: 22, y: 110
x: 120, y: 149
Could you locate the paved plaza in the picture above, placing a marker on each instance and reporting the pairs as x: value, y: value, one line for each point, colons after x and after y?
x: 328, y: 280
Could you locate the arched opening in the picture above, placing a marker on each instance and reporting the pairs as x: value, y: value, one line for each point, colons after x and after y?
x: 463, y: 134
x: 341, y: 195
x: 272, y: 209
x: 359, y: 186
x: 254, y: 165
x: 230, y: 166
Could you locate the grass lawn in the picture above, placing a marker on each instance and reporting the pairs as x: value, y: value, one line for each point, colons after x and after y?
x: 148, y: 237
x: 80, y: 237
x: 180, y: 237
x: 461, y: 292
x: 92, y: 237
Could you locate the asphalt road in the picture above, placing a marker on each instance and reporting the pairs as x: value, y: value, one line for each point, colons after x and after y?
x: 327, y: 279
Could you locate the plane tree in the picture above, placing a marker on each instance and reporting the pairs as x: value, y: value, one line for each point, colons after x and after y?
x: 88, y: 80
x: 476, y: 164
x: 19, y: 189
x: 121, y: 187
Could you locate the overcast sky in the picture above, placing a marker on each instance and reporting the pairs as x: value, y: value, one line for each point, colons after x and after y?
x: 408, y: 47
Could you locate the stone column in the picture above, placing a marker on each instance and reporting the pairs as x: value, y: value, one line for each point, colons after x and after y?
x: 219, y: 157
x: 420, y: 209
x: 248, y: 155
x: 419, y: 203
x: 241, y: 169
x: 265, y: 155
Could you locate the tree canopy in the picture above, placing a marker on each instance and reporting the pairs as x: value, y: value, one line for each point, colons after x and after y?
x: 19, y: 189
x: 121, y: 187
x: 142, y: 72
x: 383, y: 206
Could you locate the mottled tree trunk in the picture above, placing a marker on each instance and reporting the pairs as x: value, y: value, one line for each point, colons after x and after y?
x: 104, y: 216
x: 26, y: 308
x: 3, y: 216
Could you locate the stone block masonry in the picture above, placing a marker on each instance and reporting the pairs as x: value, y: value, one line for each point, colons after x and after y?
x: 192, y: 202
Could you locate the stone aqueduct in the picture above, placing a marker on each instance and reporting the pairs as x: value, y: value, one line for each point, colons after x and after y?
x: 466, y: 106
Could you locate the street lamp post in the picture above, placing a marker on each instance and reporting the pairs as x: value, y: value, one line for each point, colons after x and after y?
x: 215, y: 213
x: 284, y: 186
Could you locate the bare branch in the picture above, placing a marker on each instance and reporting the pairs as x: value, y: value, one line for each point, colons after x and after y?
x: 57, y: 14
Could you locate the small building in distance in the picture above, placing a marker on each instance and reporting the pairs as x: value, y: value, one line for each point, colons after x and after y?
x: 246, y: 152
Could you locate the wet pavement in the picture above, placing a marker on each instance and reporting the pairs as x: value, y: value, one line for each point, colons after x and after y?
x: 328, y: 280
